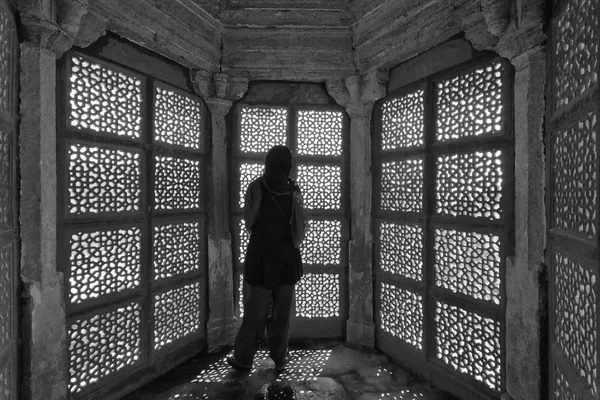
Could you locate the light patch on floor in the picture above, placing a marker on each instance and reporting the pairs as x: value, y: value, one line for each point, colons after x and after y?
x: 327, y: 371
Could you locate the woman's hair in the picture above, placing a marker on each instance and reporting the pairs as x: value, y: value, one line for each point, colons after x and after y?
x: 279, y: 161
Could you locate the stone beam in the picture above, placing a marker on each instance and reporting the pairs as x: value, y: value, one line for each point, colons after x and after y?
x: 396, y: 31
x: 219, y: 91
x: 179, y: 30
x: 357, y: 94
x: 308, y: 54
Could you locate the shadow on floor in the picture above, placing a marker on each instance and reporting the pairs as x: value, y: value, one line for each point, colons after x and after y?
x: 317, y: 370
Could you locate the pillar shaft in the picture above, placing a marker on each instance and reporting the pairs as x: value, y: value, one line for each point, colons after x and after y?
x: 222, y: 322
x: 360, y: 325
x: 219, y: 91
x: 357, y: 94
x: 525, y: 303
x: 44, y: 365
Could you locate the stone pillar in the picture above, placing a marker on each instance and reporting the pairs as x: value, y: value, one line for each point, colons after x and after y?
x: 358, y: 95
x: 44, y: 364
x: 219, y: 92
x: 522, y: 40
x: 49, y: 29
x: 525, y: 273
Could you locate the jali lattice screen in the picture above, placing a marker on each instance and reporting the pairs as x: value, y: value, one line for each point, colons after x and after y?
x: 572, y: 198
x: 444, y: 154
x: 316, y: 135
x: 132, y: 230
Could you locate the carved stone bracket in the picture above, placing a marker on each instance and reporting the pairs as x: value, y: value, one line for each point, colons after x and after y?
x: 527, y: 34
x: 219, y: 86
x: 357, y: 94
x: 55, y: 25
x: 497, y: 14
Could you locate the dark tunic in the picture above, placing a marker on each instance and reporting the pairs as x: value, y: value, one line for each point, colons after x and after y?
x: 271, y: 258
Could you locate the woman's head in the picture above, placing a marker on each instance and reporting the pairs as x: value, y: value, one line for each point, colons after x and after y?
x: 279, y: 161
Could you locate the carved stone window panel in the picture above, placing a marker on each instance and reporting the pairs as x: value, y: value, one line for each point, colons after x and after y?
x: 444, y: 206
x: 317, y: 137
x: 576, y: 50
x: 132, y: 229
x: 573, y: 165
x: 104, y: 99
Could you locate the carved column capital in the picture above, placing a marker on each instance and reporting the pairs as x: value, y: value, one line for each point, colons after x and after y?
x: 358, y: 93
x: 54, y: 25
x: 497, y: 14
x: 218, y: 86
x: 527, y: 33
x: 46, y: 34
x: 218, y: 106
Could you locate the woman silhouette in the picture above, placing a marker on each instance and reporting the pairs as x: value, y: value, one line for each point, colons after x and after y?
x: 274, y: 215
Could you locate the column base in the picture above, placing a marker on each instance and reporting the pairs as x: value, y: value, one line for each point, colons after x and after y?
x: 360, y: 334
x: 220, y: 333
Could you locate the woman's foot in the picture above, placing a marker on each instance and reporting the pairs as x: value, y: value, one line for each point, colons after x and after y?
x: 237, y: 366
x: 280, y: 367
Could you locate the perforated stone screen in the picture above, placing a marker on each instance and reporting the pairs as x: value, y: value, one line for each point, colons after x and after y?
x: 471, y: 104
x: 103, y: 344
x: 176, y: 314
x: 105, y: 100
x: 177, y: 118
x: 402, y: 185
x: 322, y: 186
x: 176, y: 248
x: 322, y: 245
x: 573, y: 165
x: 403, y: 121
x: 470, y: 184
x: 103, y: 262
x: 316, y: 135
x: 576, y: 50
x: 262, y: 128
x: 575, y: 176
x: 401, y: 249
x: 401, y: 314
x: 177, y: 184
x: 318, y: 295
x: 468, y: 263
x: 576, y: 311
x: 132, y: 229
x: 320, y: 132
x: 478, y: 339
x: 444, y: 221
x: 104, y: 179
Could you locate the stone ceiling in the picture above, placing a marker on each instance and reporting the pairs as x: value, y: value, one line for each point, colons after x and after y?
x: 291, y: 12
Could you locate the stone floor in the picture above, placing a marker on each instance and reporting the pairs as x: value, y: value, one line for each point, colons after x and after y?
x: 321, y: 370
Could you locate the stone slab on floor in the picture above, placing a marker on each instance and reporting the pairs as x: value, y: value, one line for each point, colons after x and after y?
x: 317, y: 370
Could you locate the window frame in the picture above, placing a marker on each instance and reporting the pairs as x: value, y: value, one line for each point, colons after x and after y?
x: 425, y: 361
x: 302, y: 327
x: 151, y: 361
